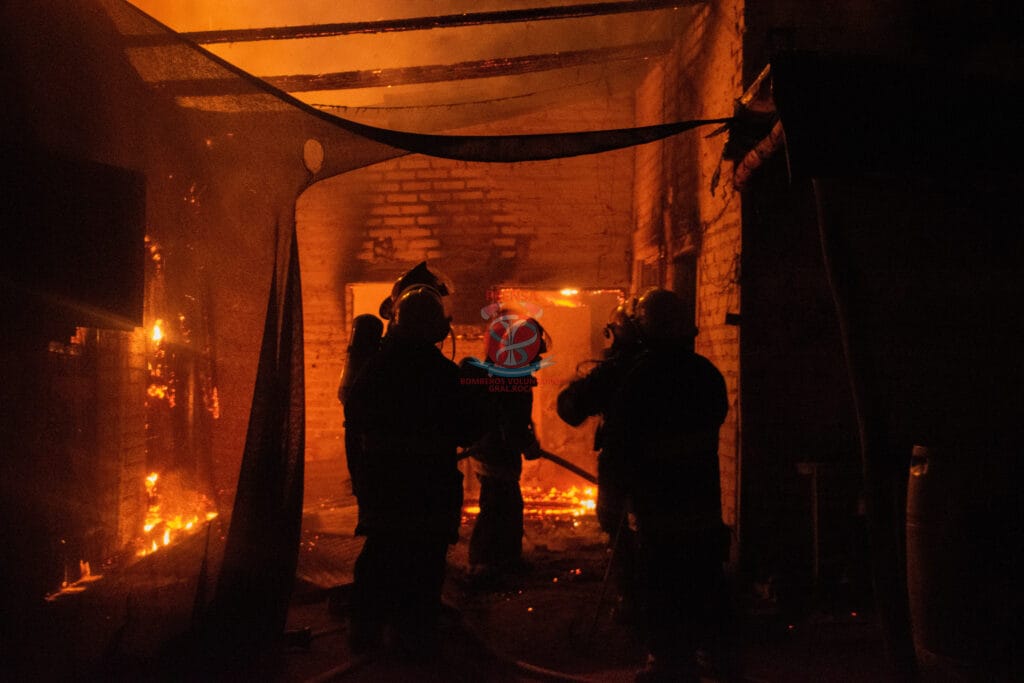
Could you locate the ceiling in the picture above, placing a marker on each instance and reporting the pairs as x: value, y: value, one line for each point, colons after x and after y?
x: 430, y: 65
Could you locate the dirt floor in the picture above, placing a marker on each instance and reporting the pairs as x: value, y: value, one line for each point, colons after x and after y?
x: 552, y: 617
x: 555, y: 621
x: 552, y: 621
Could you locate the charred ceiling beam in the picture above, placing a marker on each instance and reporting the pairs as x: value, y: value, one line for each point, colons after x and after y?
x: 594, y: 9
x: 435, y: 73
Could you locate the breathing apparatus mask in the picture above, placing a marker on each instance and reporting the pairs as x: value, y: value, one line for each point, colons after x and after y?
x: 622, y: 328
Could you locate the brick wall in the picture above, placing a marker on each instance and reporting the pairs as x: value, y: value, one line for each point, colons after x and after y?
x: 94, y: 391
x: 120, y: 434
x: 679, y: 222
x: 546, y: 224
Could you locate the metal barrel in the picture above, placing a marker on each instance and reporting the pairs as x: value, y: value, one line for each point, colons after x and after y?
x: 951, y: 574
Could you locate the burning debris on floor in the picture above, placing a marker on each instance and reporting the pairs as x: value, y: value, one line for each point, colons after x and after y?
x: 173, y: 510
x: 549, y: 503
x: 68, y: 587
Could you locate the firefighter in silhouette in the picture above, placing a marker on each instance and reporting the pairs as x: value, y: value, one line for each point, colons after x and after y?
x: 595, y: 394
x: 672, y: 403
x: 408, y: 412
x: 368, y: 329
x: 496, y: 543
x: 365, y: 343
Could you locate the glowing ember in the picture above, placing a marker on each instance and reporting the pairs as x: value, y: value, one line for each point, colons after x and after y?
x: 159, y: 391
x: 558, y: 503
x: 168, y: 517
x: 158, y: 331
x: 214, y: 404
x: 552, y: 503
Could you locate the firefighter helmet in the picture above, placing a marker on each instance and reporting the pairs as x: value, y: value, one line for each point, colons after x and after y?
x: 420, y: 275
x: 419, y: 315
x: 662, y: 316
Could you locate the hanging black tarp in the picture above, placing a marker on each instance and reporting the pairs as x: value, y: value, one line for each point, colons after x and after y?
x: 255, y: 582
x: 512, y: 148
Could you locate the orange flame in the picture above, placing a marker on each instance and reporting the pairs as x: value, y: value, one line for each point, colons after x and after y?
x: 69, y: 588
x: 168, y: 520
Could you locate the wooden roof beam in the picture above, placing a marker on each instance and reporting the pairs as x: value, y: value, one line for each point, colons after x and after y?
x: 594, y: 9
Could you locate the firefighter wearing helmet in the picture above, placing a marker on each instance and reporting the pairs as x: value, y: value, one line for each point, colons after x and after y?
x: 594, y: 394
x: 406, y: 414
x: 419, y: 276
x: 662, y: 319
x: 496, y: 542
x: 365, y: 339
x: 673, y: 402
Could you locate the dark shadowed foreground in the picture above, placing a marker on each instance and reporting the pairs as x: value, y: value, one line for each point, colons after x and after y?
x: 556, y: 621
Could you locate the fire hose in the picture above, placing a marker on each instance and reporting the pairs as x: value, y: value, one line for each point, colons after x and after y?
x: 549, y: 456
x: 562, y: 462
